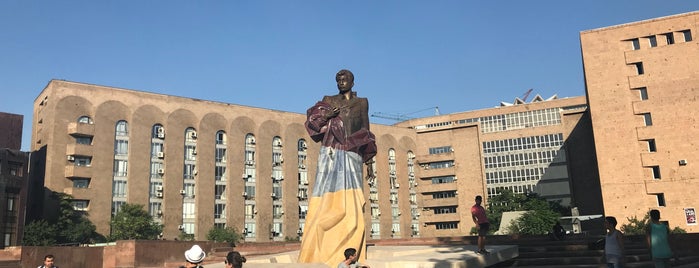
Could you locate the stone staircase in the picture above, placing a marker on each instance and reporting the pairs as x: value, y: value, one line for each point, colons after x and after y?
x: 583, y: 251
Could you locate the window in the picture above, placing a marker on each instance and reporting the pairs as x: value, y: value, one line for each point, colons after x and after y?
x: 446, y: 194
x: 661, y: 199
x: 220, y: 192
x: 82, y: 161
x: 651, y: 145
x: 219, y: 211
x: 116, y: 206
x: 249, y: 211
x: 642, y: 93
x: 188, y: 211
x: 81, y: 183
x: 446, y: 225
x: 249, y: 230
x: 83, y: 140
x: 85, y: 120
x: 80, y: 205
x: 444, y: 210
x: 118, y: 188
x: 687, y: 35
x: 647, y: 120
x: 444, y: 179
x: 121, y: 147
x: 15, y: 169
x: 440, y: 150
x: 635, y: 45
x: 122, y: 128
x: 220, y: 137
x: 375, y: 228
x: 120, y: 168
x: 639, y: 68
x: 303, y: 210
x: 277, y: 211
x: 656, y: 172
x: 652, y: 41
x: 670, y: 38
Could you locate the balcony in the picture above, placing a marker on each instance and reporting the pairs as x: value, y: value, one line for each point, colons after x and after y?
x: 429, y: 202
x: 78, y: 171
x: 81, y: 129
x: 78, y: 149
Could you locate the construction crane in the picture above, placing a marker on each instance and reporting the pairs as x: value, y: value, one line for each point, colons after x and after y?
x: 526, y: 94
x: 403, y: 117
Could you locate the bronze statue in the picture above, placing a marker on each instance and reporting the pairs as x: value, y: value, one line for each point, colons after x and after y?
x: 335, y: 219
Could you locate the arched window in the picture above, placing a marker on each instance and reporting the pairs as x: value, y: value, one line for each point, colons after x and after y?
x: 122, y: 128
x: 85, y: 120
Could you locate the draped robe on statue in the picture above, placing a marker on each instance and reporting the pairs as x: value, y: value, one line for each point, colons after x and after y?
x: 335, y: 219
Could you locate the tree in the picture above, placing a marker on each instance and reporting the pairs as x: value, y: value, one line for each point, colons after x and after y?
x: 133, y: 222
x: 73, y: 226
x: 228, y: 234
x: 639, y: 227
x: 64, y: 226
x: 39, y: 233
x: 541, y: 214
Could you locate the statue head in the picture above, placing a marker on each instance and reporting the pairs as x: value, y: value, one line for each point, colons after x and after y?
x: 345, y: 80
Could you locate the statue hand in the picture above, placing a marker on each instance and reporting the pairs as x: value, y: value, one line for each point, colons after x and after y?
x: 332, y: 113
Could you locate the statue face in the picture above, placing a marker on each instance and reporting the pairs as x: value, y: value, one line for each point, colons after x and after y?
x: 344, y: 82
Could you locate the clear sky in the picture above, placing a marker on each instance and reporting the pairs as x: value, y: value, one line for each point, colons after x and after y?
x: 407, y: 56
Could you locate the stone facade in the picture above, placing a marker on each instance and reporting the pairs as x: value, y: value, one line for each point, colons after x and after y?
x: 642, y: 88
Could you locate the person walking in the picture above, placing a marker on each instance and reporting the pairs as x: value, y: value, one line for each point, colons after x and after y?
x: 482, y: 223
x: 613, y: 244
x: 657, y: 237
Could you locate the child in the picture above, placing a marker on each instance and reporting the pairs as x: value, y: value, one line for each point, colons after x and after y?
x: 613, y: 244
x: 657, y: 237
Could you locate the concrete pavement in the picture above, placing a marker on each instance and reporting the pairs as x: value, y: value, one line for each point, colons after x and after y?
x: 438, y: 256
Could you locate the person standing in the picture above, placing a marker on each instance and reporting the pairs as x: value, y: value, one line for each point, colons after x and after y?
x: 48, y: 262
x: 613, y: 244
x: 657, y: 237
x: 335, y: 219
x: 234, y: 260
x: 482, y: 223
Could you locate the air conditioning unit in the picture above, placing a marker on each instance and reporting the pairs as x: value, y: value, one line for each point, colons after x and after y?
x: 397, y: 185
x: 193, y: 134
x: 161, y: 171
x: 160, y: 212
x: 70, y: 158
x: 161, y: 155
x: 683, y: 162
x: 274, y: 195
x: 194, y: 152
x: 392, y: 172
x: 249, y: 163
x: 304, y: 146
x: 180, y: 227
x: 159, y: 195
x: 183, y: 192
x: 195, y: 172
x: 278, y: 144
x: 245, y: 194
x: 159, y: 188
x: 244, y: 176
x: 160, y: 132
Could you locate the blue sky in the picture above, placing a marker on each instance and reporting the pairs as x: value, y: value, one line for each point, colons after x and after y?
x: 407, y: 56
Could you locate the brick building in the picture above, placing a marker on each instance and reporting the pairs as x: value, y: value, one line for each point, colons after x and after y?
x: 642, y: 88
